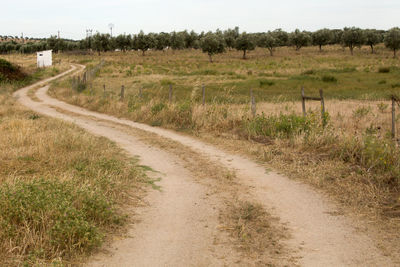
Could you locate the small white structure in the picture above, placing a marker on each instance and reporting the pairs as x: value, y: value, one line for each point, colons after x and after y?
x: 44, y: 58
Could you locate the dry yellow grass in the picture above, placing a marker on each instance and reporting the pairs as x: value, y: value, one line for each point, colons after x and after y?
x: 352, y: 160
x: 61, y: 189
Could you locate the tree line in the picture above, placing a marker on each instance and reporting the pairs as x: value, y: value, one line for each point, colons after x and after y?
x: 217, y: 42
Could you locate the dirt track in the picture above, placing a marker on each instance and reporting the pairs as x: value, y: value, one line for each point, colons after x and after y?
x: 179, y: 225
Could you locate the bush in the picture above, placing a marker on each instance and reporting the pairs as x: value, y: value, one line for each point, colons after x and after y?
x: 384, y: 70
x: 308, y: 72
x: 282, y: 126
x: 329, y: 79
x: 266, y: 83
x: 157, y: 108
x: 361, y: 112
x: 377, y: 155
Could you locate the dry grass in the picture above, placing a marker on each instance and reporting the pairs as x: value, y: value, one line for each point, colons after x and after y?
x: 352, y: 159
x: 61, y: 189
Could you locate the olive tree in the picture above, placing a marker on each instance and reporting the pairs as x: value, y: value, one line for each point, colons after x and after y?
x: 177, y: 41
x: 322, y: 37
x: 212, y: 44
x: 162, y: 41
x: 372, y: 38
x: 281, y: 37
x: 267, y: 40
x: 245, y: 42
x: 392, y: 40
x: 123, y: 42
x: 230, y: 36
x: 352, y: 37
x: 101, y: 42
x: 144, y: 42
x: 299, y: 39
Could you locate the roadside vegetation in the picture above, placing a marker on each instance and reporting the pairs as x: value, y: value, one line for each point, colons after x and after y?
x: 351, y: 156
x: 61, y: 189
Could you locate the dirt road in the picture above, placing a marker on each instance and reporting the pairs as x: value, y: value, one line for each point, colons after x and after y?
x: 179, y: 225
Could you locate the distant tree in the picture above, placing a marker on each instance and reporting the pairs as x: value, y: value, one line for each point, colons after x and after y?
x: 392, y: 40
x: 190, y: 38
x: 123, y: 42
x: 55, y: 43
x: 177, y: 41
x: 162, y: 41
x: 245, y: 42
x: 372, y: 38
x: 101, y: 42
x: 212, y: 44
x: 230, y: 36
x: 352, y: 37
x: 336, y: 36
x: 299, y: 39
x: 267, y: 40
x: 144, y: 42
x: 281, y: 36
x: 322, y: 37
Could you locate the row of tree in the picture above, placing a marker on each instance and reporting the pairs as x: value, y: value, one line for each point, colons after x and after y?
x: 217, y: 42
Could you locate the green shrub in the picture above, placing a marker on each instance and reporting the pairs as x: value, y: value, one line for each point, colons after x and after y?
x: 396, y: 85
x: 384, y: 70
x: 264, y: 82
x: 329, y: 79
x: 361, y: 112
x: 283, y: 126
x: 382, y: 107
x: 308, y: 72
x: 166, y: 82
x: 157, y: 108
x: 376, y: 155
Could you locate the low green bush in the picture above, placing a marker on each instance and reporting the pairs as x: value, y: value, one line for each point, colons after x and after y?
x: 282, y: 126
x: 329, y: 79
x: 384, y: 70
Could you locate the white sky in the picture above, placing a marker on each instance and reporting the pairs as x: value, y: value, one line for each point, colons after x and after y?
x: 43, y: 18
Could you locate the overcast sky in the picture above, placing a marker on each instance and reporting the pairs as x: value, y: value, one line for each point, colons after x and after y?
x: 73, y: 17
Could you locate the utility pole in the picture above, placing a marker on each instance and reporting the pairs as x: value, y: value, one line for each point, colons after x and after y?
x: 89, y: 33
x: 22, y: 36
x: 111, y: 26
x: 58, y: 34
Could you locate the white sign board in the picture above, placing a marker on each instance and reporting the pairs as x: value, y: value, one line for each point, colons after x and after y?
x: 44, y: 58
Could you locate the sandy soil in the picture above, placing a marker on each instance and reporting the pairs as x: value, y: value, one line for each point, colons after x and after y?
x: 178, y: 226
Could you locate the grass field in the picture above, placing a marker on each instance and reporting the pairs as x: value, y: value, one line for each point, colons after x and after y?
x: 61, y: 189
x: 353, y: 158
x: 273, y: 79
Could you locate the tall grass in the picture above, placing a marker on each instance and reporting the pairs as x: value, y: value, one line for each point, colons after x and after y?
x: 61, y: 189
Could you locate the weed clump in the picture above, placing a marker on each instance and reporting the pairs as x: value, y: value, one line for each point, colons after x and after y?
x: 329, y: 79
x: 282, y: 126
x: 384, y: 70
x: 264, y: 82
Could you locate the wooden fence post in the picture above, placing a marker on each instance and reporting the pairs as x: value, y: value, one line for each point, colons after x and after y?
x: 204, y: 95
x: 140, y: 92
x: 393, y: 117
x: 122, y: 93
x: 104, y: 90
x: 303, y: 101
x: 170, y: 94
